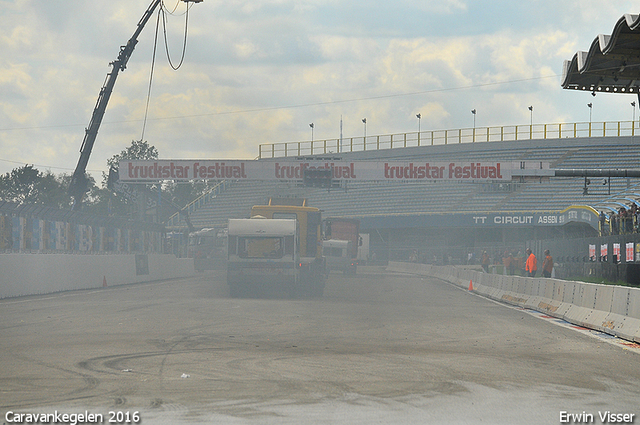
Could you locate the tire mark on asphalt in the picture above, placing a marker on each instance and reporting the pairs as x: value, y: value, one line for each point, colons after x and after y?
x: 91, y: 383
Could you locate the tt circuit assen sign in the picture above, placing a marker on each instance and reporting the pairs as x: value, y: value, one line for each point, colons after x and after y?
x: 574, y: 214
x: 182, y: 170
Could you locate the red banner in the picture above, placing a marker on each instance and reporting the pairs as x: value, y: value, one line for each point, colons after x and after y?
x: 182, y: 170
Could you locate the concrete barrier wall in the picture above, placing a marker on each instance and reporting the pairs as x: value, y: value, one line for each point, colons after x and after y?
x: 607, y: 308
x: 31, y: 274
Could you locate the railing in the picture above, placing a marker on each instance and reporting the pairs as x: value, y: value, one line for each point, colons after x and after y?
x: 205, y: 198
x: 444, y: 137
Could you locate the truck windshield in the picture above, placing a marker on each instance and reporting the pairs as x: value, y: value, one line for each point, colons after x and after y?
x: 260, y: 247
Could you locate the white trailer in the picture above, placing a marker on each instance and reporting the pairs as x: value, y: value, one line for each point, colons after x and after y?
x: 261, y: 252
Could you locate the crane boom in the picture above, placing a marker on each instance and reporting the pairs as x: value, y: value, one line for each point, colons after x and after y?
x: 78, y: 185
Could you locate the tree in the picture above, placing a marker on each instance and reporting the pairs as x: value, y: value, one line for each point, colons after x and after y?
x: 103, y: 200
x: 28, y: 185
x: 54, y: 189
x: 138, y: 150
x: 20, y: 184
x: 183, y: 193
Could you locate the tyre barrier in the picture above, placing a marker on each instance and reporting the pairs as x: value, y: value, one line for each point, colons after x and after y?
x: 611, y: 309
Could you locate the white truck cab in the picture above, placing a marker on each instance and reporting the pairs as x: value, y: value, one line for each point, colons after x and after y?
x: 338, y: 255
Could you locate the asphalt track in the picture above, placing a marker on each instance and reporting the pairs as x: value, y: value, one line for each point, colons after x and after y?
x: 378, y: 348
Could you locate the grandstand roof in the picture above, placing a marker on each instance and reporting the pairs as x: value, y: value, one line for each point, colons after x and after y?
x: 612, y: 63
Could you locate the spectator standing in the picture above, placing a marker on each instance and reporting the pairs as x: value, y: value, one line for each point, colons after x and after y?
x: 624, y: 221
x: 512, y: 264
x: 505, y: 261
x: 485, y: 261
x: 531, y: 266
x: 613, y: 220
x: 547, y: 264
x: 519, y: 263
x: 603, y: 221
x: 413, y: 258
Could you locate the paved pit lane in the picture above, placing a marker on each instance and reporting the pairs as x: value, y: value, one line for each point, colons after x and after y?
x: 377, y: 348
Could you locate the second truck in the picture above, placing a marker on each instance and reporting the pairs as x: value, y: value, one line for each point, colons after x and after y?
x: 341, y: 245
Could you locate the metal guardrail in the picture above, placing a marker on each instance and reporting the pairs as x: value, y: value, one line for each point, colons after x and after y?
x: 444, y: 137
x: 205, y: 198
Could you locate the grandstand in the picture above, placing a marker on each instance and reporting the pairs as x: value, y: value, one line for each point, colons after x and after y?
x: 367, y: 199
x: 405, y: 216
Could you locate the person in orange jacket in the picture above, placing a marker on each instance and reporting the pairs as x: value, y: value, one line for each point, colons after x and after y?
x: 531, y: 266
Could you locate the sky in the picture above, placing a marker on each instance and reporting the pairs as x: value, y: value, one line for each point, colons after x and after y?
x: 262, y: 71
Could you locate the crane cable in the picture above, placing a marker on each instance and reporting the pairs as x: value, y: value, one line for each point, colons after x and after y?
x: 162, y: 11
x: 166, y: 44
x: 153, y: 64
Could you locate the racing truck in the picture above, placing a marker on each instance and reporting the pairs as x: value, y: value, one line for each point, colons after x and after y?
x: 279, y: 246
x: 342, y: 242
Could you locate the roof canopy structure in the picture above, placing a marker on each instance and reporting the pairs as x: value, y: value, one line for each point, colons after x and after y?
x: 611, y: 65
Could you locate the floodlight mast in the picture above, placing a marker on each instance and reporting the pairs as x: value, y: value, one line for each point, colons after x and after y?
x: 78, y: 185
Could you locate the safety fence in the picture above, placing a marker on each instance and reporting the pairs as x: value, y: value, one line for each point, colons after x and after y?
x: 444, y: 137
x: 611, y: 309
x: 38, y: 229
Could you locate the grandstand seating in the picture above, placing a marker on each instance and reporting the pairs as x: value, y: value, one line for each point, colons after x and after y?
x: 373, y: 198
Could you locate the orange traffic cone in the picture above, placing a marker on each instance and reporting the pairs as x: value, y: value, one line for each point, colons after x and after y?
x: 471, y: 285
x: 104, y: 282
